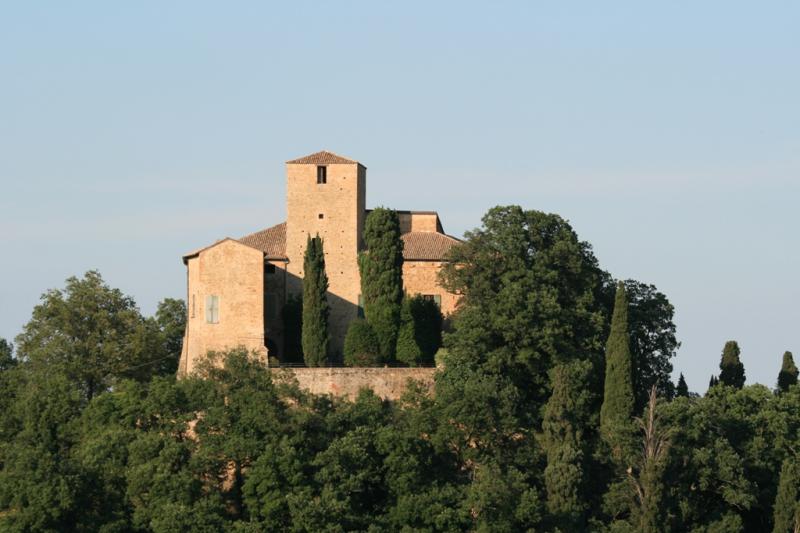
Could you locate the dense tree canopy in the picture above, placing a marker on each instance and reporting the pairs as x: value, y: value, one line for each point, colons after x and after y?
x: 530, y: 300
x: 96, y: 336
x: 508, y: 440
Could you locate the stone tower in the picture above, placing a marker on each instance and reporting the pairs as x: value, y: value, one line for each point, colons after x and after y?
x: 325, y: 195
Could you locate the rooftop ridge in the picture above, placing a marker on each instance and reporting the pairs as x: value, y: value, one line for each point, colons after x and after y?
x: 323, y: 157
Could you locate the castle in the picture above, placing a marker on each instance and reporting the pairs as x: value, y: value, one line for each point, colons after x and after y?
x: 236, y: 288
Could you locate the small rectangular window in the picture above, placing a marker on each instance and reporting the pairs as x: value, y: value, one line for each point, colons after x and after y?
x: 322, y: 175
x: 212, y: 309
x: 436, y: 298
x: 320, y: 216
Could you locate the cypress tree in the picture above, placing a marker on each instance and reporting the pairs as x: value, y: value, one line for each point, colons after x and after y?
x: 564, y: 424
x: 788, y: 374
x: 786, y: 512
x: 618, y: 400
x: 682, y: 389
x: 315, y: 304
x: 381, y: 267
x: 713, y: 381
x: 731, y: 368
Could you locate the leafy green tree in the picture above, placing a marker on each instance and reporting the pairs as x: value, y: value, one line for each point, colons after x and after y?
x: 408, y: 349
x: 92, y: 333
x: 682, y: 390
x: 292, y: 315
x: 529, y: 291
x: 731, y: 368
x: 315, y: 304
x: 787, y: 502
x: 243, y: 415
x: 653, y: 341
x: 361, y: 346
x: 565, y: 429
x: 381, y: 268
x: 41, y: 487
x: 725, y: 453
x: 618, y: 401
x: 788, y: 374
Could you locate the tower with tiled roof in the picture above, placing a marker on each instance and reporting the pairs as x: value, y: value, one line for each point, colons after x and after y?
x: 325, y: 196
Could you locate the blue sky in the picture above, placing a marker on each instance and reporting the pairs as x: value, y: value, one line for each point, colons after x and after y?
x: 668, y: 133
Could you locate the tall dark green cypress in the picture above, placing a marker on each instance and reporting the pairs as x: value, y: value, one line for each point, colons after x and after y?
x: 788, y: 374
x: 786, y: 511
x: 315, y: 304
x: 731, y: 368
x: 682, y: 389
x: 566, y: 418
x: 381, y: 267
x: 618, y: 400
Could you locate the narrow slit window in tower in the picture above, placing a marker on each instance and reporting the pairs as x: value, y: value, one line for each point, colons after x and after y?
x: 322, y: 175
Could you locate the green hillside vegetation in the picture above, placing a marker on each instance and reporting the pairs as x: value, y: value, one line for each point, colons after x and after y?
x: 553, y: 410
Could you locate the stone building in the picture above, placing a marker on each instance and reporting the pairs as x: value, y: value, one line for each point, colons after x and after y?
x: 236, y: 288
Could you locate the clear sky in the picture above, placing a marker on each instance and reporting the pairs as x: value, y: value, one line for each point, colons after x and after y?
x: 667, y: 133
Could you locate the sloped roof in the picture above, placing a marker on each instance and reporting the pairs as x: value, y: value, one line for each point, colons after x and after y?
x: 271, y: 241
x: 417, y: 245
x: 427, y: 245
x: 322, y: 158
x: 198, y: 251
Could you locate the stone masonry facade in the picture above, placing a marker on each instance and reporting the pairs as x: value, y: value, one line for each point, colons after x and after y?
x: 236, y: 288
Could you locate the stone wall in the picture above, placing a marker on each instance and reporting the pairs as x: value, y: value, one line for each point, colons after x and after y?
x: 388, y: 383
x: 419, y: 221
x: 420, y: 277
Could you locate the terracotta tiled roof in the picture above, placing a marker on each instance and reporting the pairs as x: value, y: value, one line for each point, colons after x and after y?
x: 322, y: 158
x: 427, y: 245
x: 417, y: 245
x: 271, y: 241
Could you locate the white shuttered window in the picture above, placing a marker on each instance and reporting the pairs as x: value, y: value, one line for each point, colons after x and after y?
x: 212, y: 309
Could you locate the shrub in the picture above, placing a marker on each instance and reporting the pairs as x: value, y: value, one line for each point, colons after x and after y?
x: 361, y: 346
x: 408, y: 350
